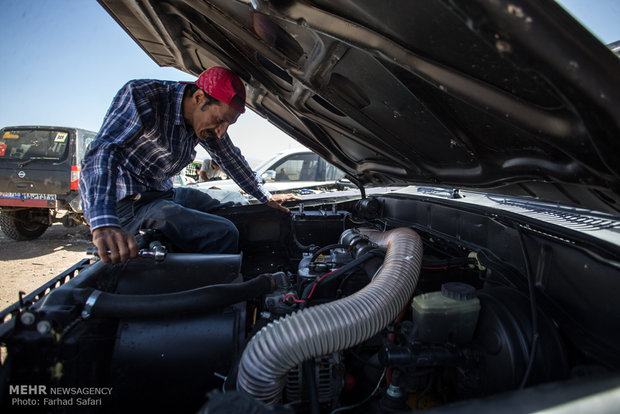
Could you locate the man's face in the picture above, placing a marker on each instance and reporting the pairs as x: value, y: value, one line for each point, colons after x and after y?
x: 213, y: 120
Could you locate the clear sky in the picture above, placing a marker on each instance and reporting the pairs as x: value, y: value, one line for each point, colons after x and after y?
x: 64, y: 60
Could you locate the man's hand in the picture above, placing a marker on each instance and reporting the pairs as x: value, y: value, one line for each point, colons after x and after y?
x: 276, y: 201
x: 121, y: 245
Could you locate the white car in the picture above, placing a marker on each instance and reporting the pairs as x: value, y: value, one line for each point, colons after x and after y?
x: 299, y: 171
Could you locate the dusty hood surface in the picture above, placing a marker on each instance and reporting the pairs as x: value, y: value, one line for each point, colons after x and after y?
x: 511, y: 96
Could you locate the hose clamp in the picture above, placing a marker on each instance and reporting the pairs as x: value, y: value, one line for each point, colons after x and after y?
x: 90, y: 302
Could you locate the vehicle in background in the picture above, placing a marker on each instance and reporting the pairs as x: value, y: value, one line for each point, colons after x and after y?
x: 298, y: 171
x: 39, y: 173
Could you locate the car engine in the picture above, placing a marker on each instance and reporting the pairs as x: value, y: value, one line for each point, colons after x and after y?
x: 383, y: 304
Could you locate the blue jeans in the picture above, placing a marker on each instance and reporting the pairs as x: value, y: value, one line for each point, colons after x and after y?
x: 183, y: 216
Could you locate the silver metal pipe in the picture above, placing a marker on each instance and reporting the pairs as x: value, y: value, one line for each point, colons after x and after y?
x: 334, y: 326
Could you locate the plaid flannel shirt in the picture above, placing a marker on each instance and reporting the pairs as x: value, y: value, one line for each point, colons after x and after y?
x: 142, y: 144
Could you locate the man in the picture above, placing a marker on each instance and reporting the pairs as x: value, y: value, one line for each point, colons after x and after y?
x: 148, y: 135
x: 209, y: 170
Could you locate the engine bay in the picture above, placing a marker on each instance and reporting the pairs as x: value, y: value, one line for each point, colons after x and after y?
x: 383, y: 304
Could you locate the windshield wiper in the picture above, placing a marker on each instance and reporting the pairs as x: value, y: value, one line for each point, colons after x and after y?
x: 23, y: 164
x: 453, y: 193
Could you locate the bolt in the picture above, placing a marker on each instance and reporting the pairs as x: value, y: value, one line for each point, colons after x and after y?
x: 27, y: 318
x: 44, y: 327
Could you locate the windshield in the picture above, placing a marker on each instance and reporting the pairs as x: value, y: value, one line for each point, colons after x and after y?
x: 297, y: 167
x: 25, y: 144
x: 265, y: 164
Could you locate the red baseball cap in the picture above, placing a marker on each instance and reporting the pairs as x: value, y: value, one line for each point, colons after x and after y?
x: 223, y: 84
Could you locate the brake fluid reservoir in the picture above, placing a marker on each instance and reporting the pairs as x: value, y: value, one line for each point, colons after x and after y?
x: 447, y: 316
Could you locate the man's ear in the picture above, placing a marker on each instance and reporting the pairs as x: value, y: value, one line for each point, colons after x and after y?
x: 198, y: 97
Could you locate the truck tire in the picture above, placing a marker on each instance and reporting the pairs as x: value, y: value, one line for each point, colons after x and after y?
x: 19, y: 225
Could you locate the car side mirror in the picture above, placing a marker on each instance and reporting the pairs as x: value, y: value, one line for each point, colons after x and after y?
x: 268, y: 176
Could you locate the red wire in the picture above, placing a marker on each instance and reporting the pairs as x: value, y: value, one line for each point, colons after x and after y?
x: 311, y: 291
x: 294, y: 298
x: 319, y: 281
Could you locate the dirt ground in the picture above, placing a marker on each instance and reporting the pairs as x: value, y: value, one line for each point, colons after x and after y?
x: 26, y: 265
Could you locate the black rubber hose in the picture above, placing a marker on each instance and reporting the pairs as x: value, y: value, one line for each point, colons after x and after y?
x: 198, y: 300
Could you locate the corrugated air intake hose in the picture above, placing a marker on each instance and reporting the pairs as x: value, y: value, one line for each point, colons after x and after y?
x: 335, y: 326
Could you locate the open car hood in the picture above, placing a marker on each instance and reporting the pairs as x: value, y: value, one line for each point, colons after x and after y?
x: 511, y: 96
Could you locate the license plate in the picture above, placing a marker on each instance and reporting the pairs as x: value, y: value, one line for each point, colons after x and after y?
x: 29, y: 196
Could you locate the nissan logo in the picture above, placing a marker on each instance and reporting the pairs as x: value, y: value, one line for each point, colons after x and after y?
x: 21, y: 174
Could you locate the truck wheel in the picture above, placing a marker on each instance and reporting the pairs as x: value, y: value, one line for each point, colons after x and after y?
x: 19, y: 225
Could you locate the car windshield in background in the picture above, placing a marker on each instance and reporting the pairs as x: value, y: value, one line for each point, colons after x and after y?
x: 305, y: 167
x: 31, y: 144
